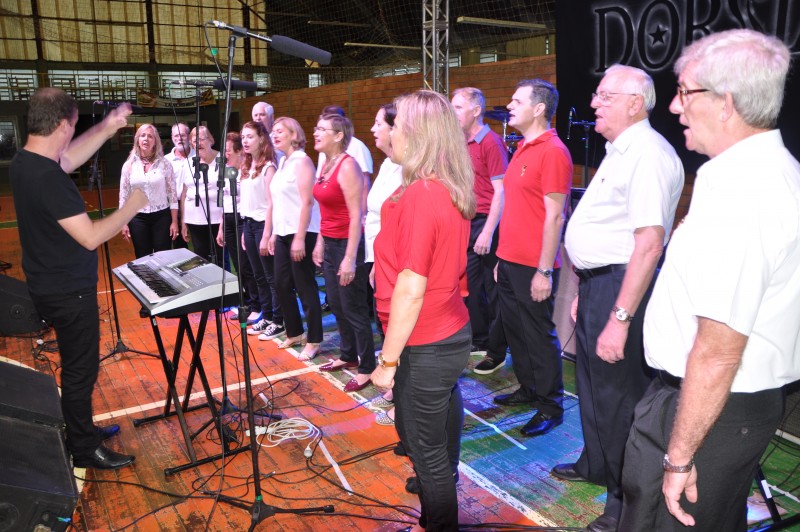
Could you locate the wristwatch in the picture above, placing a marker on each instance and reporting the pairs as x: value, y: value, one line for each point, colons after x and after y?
x: 669, y: 467
x: 384, y: 364
x: 545, y: 273
x: 621, y: 314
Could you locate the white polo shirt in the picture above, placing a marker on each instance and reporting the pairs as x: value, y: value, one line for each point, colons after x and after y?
x: 736, y: 260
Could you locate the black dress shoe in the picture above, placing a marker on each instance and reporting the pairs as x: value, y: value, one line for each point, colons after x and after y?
x: 541, y: 424
x: 567, y: 472
x: 412, y: 485
x: 104, y: 458
x: 106, y: 432
x: 520, y: 397
x: 400, y: 449
x: 604, y: 523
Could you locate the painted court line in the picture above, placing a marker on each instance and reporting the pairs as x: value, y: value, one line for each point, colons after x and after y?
x: 497, y: 430
x: 197, y: 395
x: 504, y: 496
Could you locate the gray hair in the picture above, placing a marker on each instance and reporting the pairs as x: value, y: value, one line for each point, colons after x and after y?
x: 473, y: 96
x: 749, y: 65
x: 637, y: 81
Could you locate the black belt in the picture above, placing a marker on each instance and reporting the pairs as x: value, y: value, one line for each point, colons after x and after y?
x: 597, y: 272
x: 669, y: 379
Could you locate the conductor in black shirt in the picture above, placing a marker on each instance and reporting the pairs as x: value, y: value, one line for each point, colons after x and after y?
x: 59, y: 256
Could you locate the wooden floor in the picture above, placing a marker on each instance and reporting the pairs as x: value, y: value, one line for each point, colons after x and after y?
x: 504, y: 479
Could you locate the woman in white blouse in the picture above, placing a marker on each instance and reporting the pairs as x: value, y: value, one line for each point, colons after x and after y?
x: 155, y: 226
x: 258, y: 167
x: 199, y: 202
x: 295, y: 225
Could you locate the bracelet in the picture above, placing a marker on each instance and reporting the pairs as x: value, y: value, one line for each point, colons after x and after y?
x: 669, y: 467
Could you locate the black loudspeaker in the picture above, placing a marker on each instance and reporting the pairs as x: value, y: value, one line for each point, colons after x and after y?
x: 29, y: 395
x: 17, y: 314
x: 37, y: 489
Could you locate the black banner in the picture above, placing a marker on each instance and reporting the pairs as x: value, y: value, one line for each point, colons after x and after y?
x: 651, y: 34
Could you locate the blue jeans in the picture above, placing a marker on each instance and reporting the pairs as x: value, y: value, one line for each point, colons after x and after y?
x: 430, y: 414
x: 76, y: 321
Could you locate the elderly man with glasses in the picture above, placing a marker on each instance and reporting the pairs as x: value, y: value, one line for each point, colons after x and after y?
x: 615, y: 239
x: 722, y: 326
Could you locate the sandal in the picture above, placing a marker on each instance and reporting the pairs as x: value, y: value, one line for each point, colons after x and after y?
x: 292, y: 341
x: 381, y: 402
x: 382, y: 418
x: 306, y: 356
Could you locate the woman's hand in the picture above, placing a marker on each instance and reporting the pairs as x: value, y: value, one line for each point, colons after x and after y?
x: 383, y: 377
x: 126, y: 233
x: 263, y: 246
x: 298, y: 249
x: 173, y: 230
x: 271, y: 244
x: 372, y: 276
x: 318, y: 255
x: 185, y: 232
x: 221, y: 236
x: 347, y: 271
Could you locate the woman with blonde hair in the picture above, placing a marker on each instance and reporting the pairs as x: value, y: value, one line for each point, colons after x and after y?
x: 156, y: 225
x: 201, y: 216
x: 295, y: 226
x: 420, y: 274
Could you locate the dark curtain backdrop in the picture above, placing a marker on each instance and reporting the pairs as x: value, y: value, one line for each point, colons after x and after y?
x: 650, y: 34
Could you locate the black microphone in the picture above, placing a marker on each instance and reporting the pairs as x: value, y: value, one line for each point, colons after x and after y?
x: 219, y: 84
x: 289, y: 46
x: 282, y: 44
x: 569, y: 125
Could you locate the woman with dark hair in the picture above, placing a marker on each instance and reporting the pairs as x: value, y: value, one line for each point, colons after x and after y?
x: 340, y: 249
x: 156, y: 225
x: 258, y: 167
x: 420, y: 273
x: 388, y: 180
x: 295, y: 226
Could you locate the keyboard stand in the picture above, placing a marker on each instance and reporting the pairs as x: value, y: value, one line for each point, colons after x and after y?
x: 172, y: 403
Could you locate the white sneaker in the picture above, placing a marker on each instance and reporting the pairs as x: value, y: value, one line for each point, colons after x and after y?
x: 260, y: 326
x: 272, y: 331
x: 233, y: 315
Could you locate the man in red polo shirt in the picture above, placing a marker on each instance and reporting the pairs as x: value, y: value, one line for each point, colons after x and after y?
x: 536, y: 183
x: 489, y: 158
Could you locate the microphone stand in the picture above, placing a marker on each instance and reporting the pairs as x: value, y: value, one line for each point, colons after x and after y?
x: 587, y: 125
x: 259, y: 511
x: 120, y: 347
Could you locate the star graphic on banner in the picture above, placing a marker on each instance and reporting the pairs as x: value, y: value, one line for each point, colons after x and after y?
x: 658, y: 34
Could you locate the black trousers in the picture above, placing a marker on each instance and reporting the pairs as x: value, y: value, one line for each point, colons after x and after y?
x: 349, y: 305
x: 608, y: 392
x: 531, y: 334
x: 430, y: 414
x: 482, y: 303
x: 263, y: 271
x: 233, y: 243
x: 290, y: 274
x: 76, y: 321
x: 725, y: 462
x: 204, y: 247
x: 150, y: 232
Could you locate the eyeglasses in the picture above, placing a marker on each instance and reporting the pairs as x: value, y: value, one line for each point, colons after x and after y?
x: 316, y: 129
x: 683, y: 93
x: 605, y: 96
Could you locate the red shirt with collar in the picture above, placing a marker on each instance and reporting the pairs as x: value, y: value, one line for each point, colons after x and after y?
x: 539, y: 167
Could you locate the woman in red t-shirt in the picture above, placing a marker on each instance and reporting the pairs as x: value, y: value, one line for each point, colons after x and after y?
x: 340, y: 248
x: 420, y: 277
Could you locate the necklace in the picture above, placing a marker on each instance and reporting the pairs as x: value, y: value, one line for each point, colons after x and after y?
x: 147, y: 160
x: 323, y: 176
